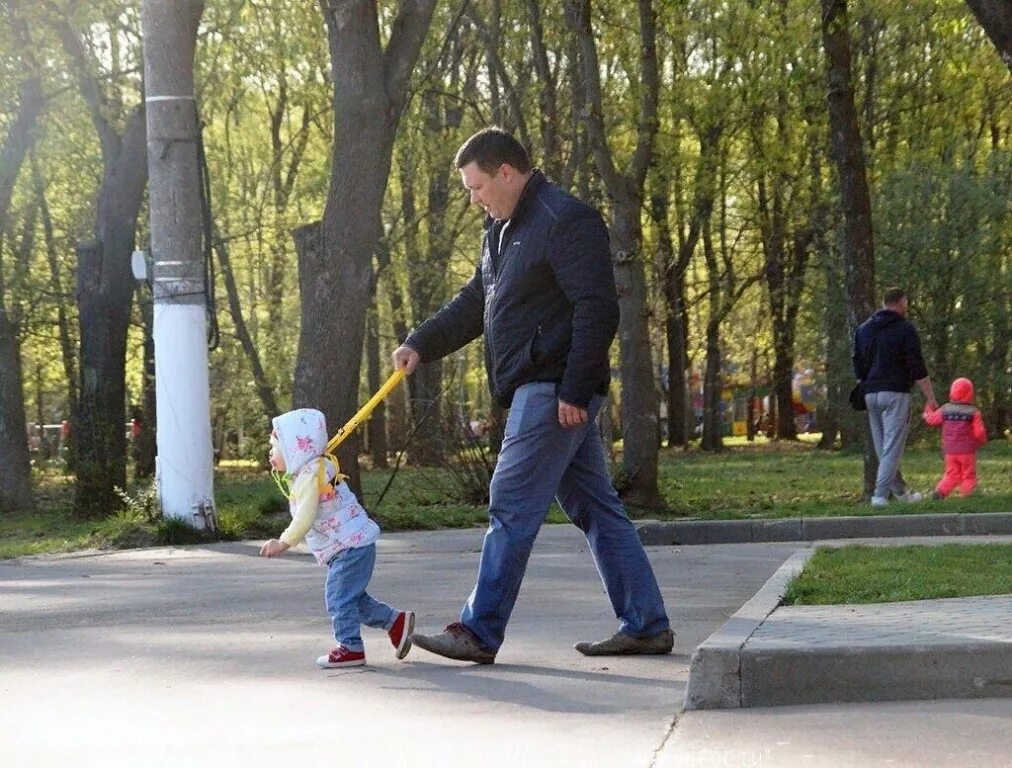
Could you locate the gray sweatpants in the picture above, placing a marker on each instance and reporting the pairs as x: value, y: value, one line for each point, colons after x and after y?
x: 889, y: 418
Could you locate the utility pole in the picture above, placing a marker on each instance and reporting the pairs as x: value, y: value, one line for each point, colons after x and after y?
x: 184, y: 469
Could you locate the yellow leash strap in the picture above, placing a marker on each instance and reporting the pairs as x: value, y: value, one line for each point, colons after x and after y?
x: 364, y: 412
x: 342, y: 434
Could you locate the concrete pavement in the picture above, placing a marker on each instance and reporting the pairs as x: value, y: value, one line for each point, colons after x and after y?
x: 954, y: 733
x: 201, y: 656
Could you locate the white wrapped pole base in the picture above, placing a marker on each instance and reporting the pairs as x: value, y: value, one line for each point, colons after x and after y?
x: 185, y: 461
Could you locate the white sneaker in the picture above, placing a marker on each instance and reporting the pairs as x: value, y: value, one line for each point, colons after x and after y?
x: 879, y: 501
x: 911, y: 496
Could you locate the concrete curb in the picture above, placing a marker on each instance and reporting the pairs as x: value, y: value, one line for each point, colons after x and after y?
x: 875, y: 673
x: 770, y: 655
x: 715, y: 680
x: 925, y: 649
x: 657, y: 533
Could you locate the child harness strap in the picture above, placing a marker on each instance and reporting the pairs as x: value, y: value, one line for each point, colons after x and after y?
x: 343, y: 434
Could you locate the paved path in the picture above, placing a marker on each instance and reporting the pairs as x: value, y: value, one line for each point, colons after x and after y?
x: 204, y: 657
x: 955, y: 733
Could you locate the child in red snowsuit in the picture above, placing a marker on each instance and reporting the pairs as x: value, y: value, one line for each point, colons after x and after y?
x: 962, y: 434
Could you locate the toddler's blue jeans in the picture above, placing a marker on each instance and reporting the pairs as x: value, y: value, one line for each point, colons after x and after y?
x: 348, y: 604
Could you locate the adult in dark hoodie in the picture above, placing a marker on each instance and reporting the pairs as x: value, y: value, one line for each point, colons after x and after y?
x: 888, y: 359
x: 544, y: 298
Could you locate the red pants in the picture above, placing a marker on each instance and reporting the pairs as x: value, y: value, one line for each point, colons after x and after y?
x: 961, y: 470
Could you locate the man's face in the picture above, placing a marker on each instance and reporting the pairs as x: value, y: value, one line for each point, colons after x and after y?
x: 497, y: 193
x: 902, y: 306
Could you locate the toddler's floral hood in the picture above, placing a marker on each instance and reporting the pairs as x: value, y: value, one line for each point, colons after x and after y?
x: 301, y: 435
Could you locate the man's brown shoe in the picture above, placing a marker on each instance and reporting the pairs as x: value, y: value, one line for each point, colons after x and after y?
x: 626, y: 645
x: 455, y: 642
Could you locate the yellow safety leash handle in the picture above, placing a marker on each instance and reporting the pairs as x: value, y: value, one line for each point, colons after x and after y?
x: 364, y: 412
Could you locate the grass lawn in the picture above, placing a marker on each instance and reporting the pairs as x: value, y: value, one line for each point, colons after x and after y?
x: 796, y: 480
x: 759, y: 480
x: 862, y: 574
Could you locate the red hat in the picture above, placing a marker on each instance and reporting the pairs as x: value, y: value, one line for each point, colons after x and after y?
x: 961, y: 391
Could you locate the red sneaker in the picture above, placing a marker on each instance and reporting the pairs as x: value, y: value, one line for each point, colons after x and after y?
x: 400, y: 633
x: 341, y: 657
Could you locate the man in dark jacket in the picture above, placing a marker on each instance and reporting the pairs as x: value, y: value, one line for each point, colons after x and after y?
x: 887, y: 358
x: 544, y: 297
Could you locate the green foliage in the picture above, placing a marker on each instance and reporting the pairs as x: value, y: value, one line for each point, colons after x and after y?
x: 863, y: 574
x: 142, y: 507
x: 140, y: 523
x: 249, y: 504
x: 134, y: 524
x: 942, y: 233
x: 935, y: 104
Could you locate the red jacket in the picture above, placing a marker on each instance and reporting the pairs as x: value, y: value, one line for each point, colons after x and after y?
x: 963, y: 429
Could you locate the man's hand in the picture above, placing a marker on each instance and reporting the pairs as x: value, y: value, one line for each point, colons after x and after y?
x: 273, y: 548
x: 571, y: 415
x: 928, y: 391
x: 407, y: 358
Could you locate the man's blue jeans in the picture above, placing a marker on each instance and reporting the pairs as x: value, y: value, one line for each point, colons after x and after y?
x: 889, y: 419
x: 540, y: 460
x: 348, y: 604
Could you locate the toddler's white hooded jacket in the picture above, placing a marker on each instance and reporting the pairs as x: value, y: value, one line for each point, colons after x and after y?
x: 329, y: 517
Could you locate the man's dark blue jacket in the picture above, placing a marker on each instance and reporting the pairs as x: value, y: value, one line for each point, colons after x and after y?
x: 545, y: 301
x: 887, y: 353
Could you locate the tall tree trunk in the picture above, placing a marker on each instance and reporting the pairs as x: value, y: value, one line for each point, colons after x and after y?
x: 67, y: 355
x: 145, y: 445
x: 427, y: 284
x: 712, y: 440
x: 724, y: 289
x: 397, y: 416
x: 996, y: 18
x: 376, y: 427
x: 335, y: 255
x: 578, y: 164
x: 775, y: 268
x: 282, y: 179
x: 265, y: 392
x: 551, y: 145
x: 704, y: 193
x: 15, y: 479
x: 512, y: 118
x: 998, y: 415
x: 626, y: 192
x: 857, y: 242
x: 21, y: 134
x: 673, y: 284
x: 104, y: 293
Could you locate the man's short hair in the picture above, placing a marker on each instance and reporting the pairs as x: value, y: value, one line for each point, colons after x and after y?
x: 490, y: 148
x: 893, y: 295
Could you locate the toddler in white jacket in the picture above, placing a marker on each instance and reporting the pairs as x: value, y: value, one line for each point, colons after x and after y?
x: 338, y: 531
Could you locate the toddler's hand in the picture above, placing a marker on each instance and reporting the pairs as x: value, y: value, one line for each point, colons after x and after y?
x: 273, y: 548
